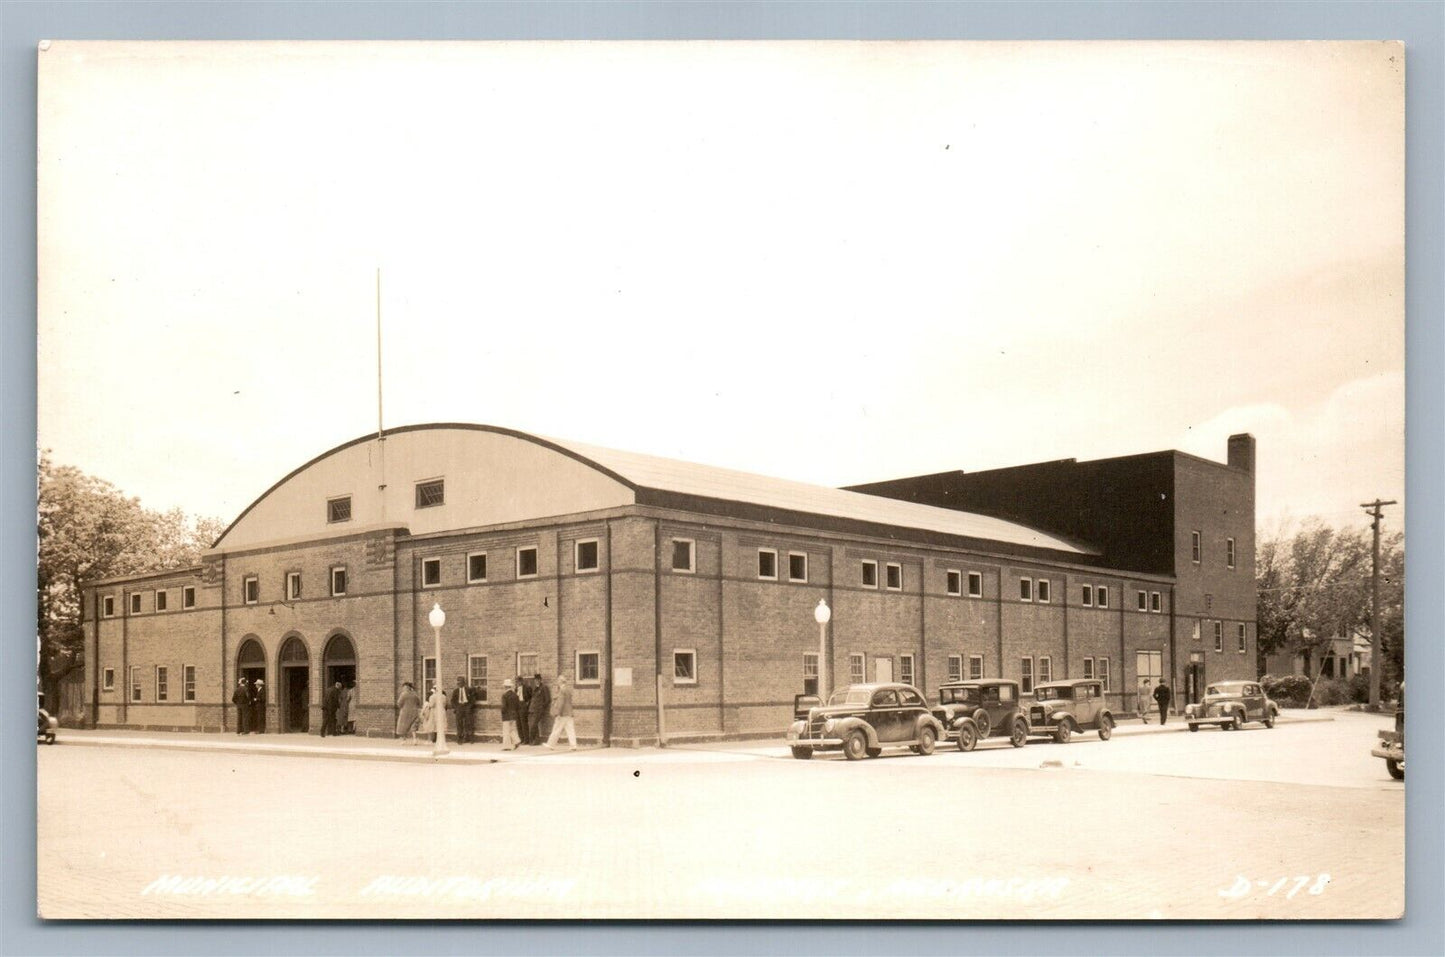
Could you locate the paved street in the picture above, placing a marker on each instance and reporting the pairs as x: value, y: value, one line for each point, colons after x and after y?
x: 1297, y: 821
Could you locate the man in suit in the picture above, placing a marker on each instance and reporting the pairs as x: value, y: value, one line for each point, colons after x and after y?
x: 524, y: 691
x: 537, y: 703
x: 562, y: 716
x: 241, y: 698
x: 330, y: 704
x: 460, y: 700
x: 258, y: 706
x: 1162, y: 696
x: 511, y: 708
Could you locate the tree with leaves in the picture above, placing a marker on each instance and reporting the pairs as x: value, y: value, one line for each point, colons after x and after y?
x: 88, y: 530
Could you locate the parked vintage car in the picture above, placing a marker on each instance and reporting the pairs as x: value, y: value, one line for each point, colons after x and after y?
x: 973, y: 710
x: 1230, y: 704
x: 1064, y: 707
x: 45, y: 727
x: 1392, y: 743
x: 862, y: 720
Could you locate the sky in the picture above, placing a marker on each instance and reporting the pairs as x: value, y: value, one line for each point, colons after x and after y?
x: 828, y: 262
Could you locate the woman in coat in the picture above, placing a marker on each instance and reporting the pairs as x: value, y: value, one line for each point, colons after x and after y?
x: 408, y: 708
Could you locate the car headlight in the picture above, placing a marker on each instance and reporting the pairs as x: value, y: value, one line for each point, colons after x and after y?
x: 828, y: 726
x: 798, y: 727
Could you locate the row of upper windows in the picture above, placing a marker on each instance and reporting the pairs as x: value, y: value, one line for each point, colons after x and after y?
x: 160, y: 601
x: 1241, y: 635
x: 162, y: 682
x: 1196, y: 550
x: 429, y: 493
x: 1031, y: 670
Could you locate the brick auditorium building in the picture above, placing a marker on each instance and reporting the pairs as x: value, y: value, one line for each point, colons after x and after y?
x: 677, y: 596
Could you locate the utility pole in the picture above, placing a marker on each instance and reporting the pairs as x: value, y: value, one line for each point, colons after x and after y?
x: 1377, y: 658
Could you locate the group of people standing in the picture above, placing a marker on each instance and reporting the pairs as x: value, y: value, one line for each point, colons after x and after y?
x: 526, y: 703
x: 250, y: 701
x: 338, y: 709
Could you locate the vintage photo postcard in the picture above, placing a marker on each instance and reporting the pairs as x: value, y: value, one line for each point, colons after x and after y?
x: 828, y: 480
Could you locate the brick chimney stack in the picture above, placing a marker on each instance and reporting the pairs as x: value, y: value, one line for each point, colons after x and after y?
x: 1241, y: 452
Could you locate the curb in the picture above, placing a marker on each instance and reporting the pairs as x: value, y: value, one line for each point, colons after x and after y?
x: 455, y: 757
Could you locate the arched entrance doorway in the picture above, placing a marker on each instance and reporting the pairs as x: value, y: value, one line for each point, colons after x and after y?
x: 251, y: 665
x: 339, y: 661
x: 295, y: 698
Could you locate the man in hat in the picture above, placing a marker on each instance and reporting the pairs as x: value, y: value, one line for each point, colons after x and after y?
x: 258, y: 706
x: 241, y: 698
x: 330, y: 704
x: 562, y: 716
x: 537, y: 704
x: 460, y: 699
x: 1163, y: 696
x: 511, y: 709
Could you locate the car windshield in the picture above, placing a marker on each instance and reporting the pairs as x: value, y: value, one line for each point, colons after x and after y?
x: 958, y: 696
x: 849, y: 696
x: 1054, y: 693
x: 1220, y: 690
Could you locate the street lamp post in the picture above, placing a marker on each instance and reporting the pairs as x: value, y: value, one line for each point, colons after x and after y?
x: 821, y: 615
x: 437, y: 618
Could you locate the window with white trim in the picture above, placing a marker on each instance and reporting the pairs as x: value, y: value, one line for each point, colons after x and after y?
x: 162, y: 599
x: 1103, y: 665
x: 1243, y: 639
x: 431, y: 572
x: 684, y: 666
x: 1046, y: 669
x: 1088, y: 666
x: 586, y: 555
x: 1041, y: 591
x: 1101, y: 596
x: 108, y: 680
x: 188, y: 596
x: 855, y: 669
x: 477, y: 675
x: 1194, y: 547
x: 810, y: 672
x: 135, y: 682
x: 955, y: 667
x: 954, y: 582
x: 1156, y: 604
x: 338, y: 580
x: 975, y: 584
x: 893, y: 576
x: 905, y: 669
x: 1086, y: 596
x: 163, y: 683
x: 135, y: 603
x: 476, y: 567
x: 527, y: 562
x: 107, y: 606
x: 1026, y: 589
x: 1143, y: 597
x: 338, y: 509
x: 768, y: 564
x: 975, y: 667
x: 684, y: 555
x: 1219, y: 636
x: 797, y: 566
x: 251, y: 589
x: 431, y: 493
x: 1229, y: 552
x: 188, y: 682
x: 1026, y: 675
x: 1196, y: 629
x: 428, y: 676
x: 870, y: 573
x: 589, y: 668
x: 293, y: 585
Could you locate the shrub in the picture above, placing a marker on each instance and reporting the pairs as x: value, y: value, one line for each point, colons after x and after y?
x: 1288, y: 691
x: 1333, y: 691
x: 1360, y: 688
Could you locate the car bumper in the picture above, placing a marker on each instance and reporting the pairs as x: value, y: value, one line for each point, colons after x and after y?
x: 1390, y: 754
x: 818, y: 744
x: 1222, y: 719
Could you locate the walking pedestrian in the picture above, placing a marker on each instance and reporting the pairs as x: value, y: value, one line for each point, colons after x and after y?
x: 241, y: 698
x: 343, y: 707
x: 258, y: 707
x: 408, y: 708
x: 537, y: 703
x: 330, y: 704
x: 460, y: 699
x: 1163, y: 696
x: 511, y: 710
x: 426, y: 720
x: 562, y: 716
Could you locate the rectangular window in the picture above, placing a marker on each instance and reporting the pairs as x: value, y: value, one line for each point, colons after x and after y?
x: 477, y: 675
x: 108, y: 679
x: 430, y: 493
x: 338, y: 580
x: 684, y: 555
x: 893, y: 576
x: 188, y: 682
x: 1042, y: 588
x: 251, y: 589
x: 477, y: 567
x: 338, y: 509
x: 1086, y: 596
x: 1089, y: 666
x: 107, y: 606
x: 1046, y: 669
x: 1103, y: 665
x: 684, y: 666
x: 1194, y: 547
x: 527, y: 562
x: 293, y: 585
x: 1229, y: 552
x: 975, y: 584
x: 163, y: 689
x: 526, y: 664
x: 1155, y: 604
x: 1196, y: 629
x: 188, y: 596
x: 767, y: 564
x: 589, y: 668
x: 954, y: 582
x: 797, y: 567
x: 1241, y: 635
x: 1101, y: 596
x: 1219, y: 636
x: 135, y: 682
x: 905, y: 669
x: 955, y: 667
x: 870, y: 574
x: 586, y: 555
x: 431, y: 572
x: 1026, y: 589
x: 135, y: 604
x: 975, y: 667
x: 162, y: 599
x: 810, y: 672
x: 855, y: 669
x: 1143, y: 597
x: 1026, y: 675
x: 428, y: 676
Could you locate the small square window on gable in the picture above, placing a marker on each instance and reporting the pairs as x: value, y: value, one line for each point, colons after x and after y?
x: 1026, y: 589
x: 1143, y: 600
x: 293, y: 585
x: 430, y: 493
x: 477, y: 567
x: 431, y: 572
x: 684, y: 555
x: 527, y: 562
x: 338, y: 509
x: 894, y: 576
x: 586, y: 555
x: 870, y: 574
x: 251, y: 589
x: 1086, y: 596
x: 338, y: 580
x: 975, y: 584
x: 1041, y: 588
x: 767, y: 564
x: 1101, y: 596
x: 1154, y: 602
x: 797, y: 567
x: 954, y: 582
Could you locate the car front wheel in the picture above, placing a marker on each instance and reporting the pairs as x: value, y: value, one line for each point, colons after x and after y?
x: 1020, y: 736
x: 1193, y: 726
x: 967, y: 737
x: 1268, y: 720
x: 1063, y: 732
x: 927, y: 738
x: 1106, y: 728
x: 802, y: 754
x: 1393, y: 766
x: 855, y: 746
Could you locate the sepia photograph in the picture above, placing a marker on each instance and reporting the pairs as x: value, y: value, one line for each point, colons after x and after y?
x: 768, y: 480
